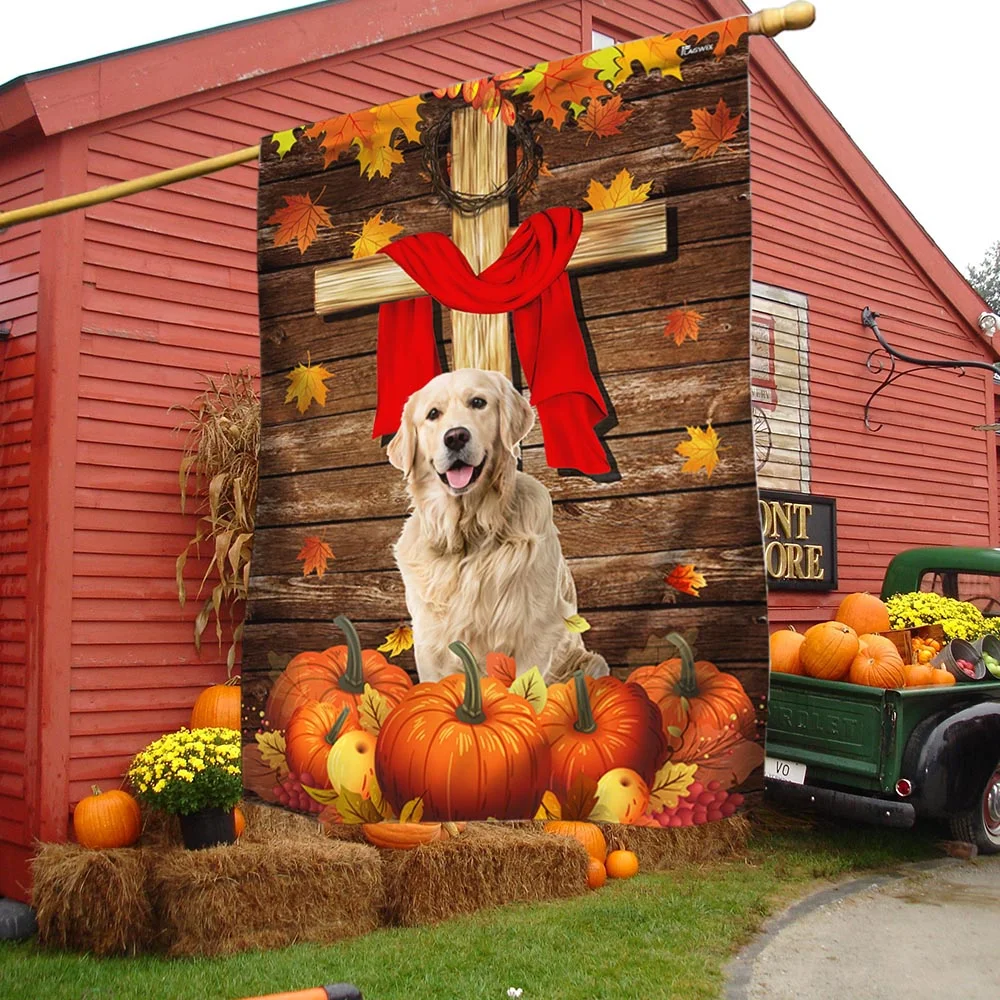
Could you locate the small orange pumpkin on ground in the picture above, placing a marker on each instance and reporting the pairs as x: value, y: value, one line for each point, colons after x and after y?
x: 828, y: 650
x: 864, y: 612
x: 218, y: 705
x: 786, y: 651
x: 107, y: 819
x: 240, y: 822
x: 597, y: 874
x: 586, y: 833
x: 878, y: 664
x: 621, y: 864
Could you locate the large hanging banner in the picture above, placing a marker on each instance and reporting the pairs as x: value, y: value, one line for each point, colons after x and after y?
x: 507, y: 557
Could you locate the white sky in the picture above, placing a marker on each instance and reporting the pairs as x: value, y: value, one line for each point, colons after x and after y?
x: 922, y: 101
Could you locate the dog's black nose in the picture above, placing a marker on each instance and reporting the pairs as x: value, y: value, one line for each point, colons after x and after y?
x: 456, y: 438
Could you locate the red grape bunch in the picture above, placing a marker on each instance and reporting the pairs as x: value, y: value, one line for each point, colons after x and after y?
x: 289, y: 792
x: 701, y: 805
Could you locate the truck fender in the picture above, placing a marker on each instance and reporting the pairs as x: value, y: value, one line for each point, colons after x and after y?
x: 949, y: 757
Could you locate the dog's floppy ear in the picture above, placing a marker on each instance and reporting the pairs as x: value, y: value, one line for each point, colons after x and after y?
x: 516, y: 416
x: 402, y: 450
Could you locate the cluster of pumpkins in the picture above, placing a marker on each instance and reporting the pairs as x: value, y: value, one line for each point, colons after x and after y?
x: 849, y: 648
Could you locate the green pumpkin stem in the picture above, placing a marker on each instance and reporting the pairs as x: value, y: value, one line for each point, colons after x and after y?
x: 334, y: 734
x: 687, y: 685
x: 585, y: 722
x: 352, y: 680
x: 96, y: 790
x: 471, y: 709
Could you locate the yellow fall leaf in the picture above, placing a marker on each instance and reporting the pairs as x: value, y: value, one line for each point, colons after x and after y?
x: 701, y: 450
x: 577, y: 623
x: 377, y: 155
x: 375, y: 234
x: 658, y: 52
x: 412, y: 811
x: 397, y: 641
x: 670, y: 785
x: 307, y: 384
x: 372, y: 710
x: 285, y: 141
x: 550, y: 807
x: 272, y: 752
x: 403, y: 114
x: 531, y: 687
x: 618, y: 193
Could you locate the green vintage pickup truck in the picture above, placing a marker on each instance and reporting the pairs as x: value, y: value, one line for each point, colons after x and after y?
x: 890, y: 756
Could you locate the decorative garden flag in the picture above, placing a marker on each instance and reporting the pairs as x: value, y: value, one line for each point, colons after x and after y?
x: 507, y: 558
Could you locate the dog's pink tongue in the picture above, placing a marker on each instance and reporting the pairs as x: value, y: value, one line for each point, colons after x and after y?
x: 459, y: 477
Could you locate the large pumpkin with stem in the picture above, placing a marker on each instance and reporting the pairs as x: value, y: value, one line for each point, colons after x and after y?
x: 828, y: 650
x: 595, y: 724
x: 337, y: 675
x: 312, y: 731
x: 464, y: 745
x: 218, y: 705
x: 107, y: 819
x: 694, y: 698
x: 785, y: 647
x: 877, y: 664
x: 864, y: 612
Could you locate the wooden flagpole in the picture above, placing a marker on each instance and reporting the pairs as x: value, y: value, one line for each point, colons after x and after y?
x: 769, y: 22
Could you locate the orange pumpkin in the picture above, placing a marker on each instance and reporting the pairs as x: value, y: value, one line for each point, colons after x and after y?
x: 694, y: 698
x: 864, y: 612
x: 405, y: 836
x: 943, y: 677
x: 878, y: 664
x: 466, y: 746
x: 107, y: 819
x: 218, y: 705
x: 312, y: 731
x: 621, y: 864
x: 587, y: 834
x: 786, y: 650
x: 240, y: 822
x: 596, y: 724
x: 338, y: 675
x: 597, y: 874
x: 828, y: 650
x: 919, y: 674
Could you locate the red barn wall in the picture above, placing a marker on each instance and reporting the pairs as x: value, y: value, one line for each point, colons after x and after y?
x: 167, y: 293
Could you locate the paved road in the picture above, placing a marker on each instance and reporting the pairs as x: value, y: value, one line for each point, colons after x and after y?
x: 933, y: 933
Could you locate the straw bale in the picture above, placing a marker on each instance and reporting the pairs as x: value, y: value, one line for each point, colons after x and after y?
x: 267, y: 824
x: 95, y: 901
x: 488, y: 865
x: 262, y: 895
x: 663, y: 848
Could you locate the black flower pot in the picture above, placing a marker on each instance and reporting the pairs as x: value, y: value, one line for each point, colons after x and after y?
x: 208, y: 827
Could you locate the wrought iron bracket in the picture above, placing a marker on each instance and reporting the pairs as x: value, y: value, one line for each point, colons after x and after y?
x: 876, y: 363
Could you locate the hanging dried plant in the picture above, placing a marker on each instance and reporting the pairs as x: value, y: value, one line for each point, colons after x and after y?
x: 221, y: 452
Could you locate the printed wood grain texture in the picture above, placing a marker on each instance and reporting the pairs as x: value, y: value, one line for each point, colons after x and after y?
x: 324, y: 475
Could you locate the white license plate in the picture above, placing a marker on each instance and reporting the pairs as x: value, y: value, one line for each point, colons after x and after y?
x: 784, y: 770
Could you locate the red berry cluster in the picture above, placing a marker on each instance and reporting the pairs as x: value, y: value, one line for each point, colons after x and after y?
x: 289, y: 792
x: 701, y: 805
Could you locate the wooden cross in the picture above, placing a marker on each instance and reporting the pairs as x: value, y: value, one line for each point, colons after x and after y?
x: 479, y: 166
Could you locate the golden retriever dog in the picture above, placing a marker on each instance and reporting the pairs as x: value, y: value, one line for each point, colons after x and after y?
x: 479, y: 553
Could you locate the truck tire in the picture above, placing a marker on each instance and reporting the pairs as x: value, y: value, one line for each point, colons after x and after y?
x: 981, y: 826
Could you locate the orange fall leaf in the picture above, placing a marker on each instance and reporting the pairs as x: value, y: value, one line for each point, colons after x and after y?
x: 299, y: 220
x: 710, y: 130
x: 683, y: 324
x: 686, y: 579
x: 604, y: 118
x: 315, y: 555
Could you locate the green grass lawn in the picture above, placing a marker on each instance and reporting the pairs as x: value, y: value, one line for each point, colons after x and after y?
x: 654, y: 937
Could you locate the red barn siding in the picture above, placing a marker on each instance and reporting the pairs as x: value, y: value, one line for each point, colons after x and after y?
x: 22, y: 182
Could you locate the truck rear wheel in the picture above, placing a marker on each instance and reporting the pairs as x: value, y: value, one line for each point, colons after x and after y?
x: 981, y: 826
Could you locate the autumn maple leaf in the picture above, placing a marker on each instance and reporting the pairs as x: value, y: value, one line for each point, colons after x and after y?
x: 398, y: 641
x: 403, y: 114
x: 730, y: 32
x: 659, y: 52
x: 553, y: 85
x: 307, y: 384
x: 604, y: 118
x: 298, y: 220
x: 686, y: 579
x: 315, y: 554
x: 683, y: 324
x: 711, y: 129
x: 577, y: 623
x: 670, y: 785
x: 375, y: 234
x: 619, y: 192
x: 701, y: 450
x: 284, y: 140
x: 336, y: 135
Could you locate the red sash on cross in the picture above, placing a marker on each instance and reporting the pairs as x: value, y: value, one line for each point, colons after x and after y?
x: 528, y: 279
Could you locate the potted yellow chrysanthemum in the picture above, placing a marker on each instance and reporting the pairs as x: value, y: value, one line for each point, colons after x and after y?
x: 196, y: 775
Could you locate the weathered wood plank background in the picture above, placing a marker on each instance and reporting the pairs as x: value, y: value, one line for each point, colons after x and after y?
x: 322, y: 474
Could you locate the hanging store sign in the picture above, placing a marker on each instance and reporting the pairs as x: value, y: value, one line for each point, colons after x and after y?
x: 800, y: 540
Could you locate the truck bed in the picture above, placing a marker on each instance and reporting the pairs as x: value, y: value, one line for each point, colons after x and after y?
x: 850, y: 736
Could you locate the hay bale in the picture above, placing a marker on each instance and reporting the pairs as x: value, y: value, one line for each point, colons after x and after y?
x: 663, y: 848
x: 94, y: 901
x: 267, y: 824
x: 159, y: 829
x: 223, y: 900
x: 488, y: 865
